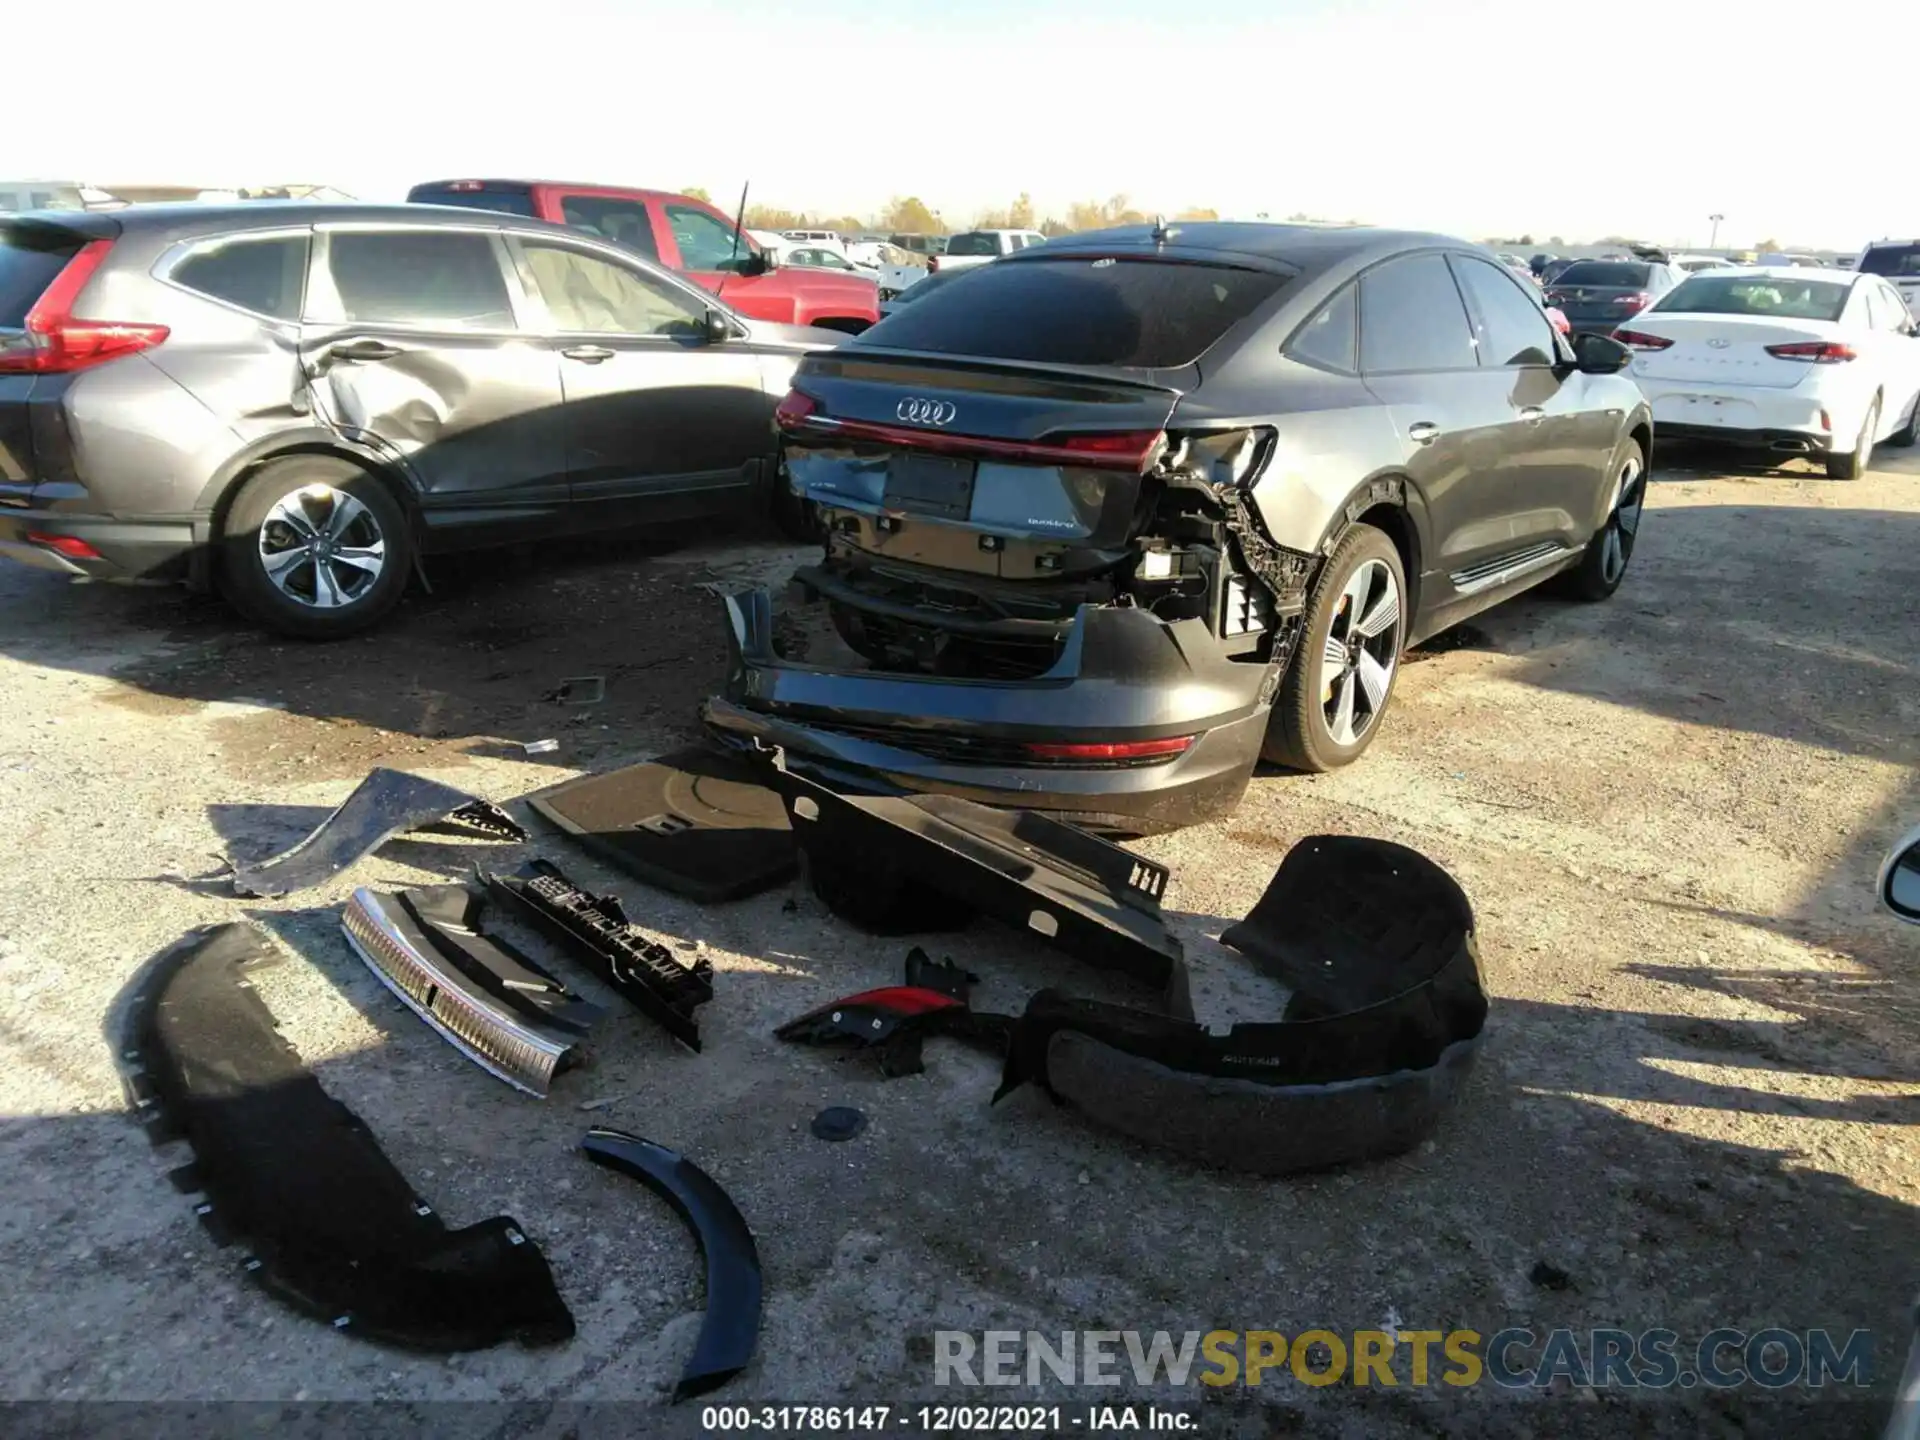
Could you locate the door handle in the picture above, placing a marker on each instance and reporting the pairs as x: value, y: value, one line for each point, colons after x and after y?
x: 363, y: 350
x: 1423, y: 432
x: 588, y: 354
x: 1533, y: 414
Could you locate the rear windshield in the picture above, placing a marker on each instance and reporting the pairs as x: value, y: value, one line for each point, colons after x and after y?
x: 1778, y: 294
x: 1892, y: 260
x: 507, y: 199
x: 977, y: 243
x: 29, y: 259
x: 1622, y: 273
x: 1130, y: 313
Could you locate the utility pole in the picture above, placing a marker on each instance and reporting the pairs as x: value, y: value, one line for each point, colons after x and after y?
x: 1713, y: 240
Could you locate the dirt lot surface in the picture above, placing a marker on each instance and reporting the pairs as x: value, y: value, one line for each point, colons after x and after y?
x: 1697, y: 1105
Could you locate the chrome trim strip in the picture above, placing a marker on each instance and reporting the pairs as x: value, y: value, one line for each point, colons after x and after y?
x: 1473, y: 581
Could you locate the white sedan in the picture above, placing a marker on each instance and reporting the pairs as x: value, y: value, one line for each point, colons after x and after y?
x: 1793, y: 361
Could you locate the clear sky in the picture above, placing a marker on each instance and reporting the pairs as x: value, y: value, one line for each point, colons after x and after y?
x: 1796, y: 122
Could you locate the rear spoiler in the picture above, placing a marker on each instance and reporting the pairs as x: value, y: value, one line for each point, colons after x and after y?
x: 54, y: 227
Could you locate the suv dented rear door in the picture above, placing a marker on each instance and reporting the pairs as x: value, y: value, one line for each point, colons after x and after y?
x: 412, y: 347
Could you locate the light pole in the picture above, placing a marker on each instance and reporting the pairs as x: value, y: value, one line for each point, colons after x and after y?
x: 1714, y: 239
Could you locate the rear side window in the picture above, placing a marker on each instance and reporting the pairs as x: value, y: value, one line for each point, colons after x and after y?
x: 507, y: 199
x: 624, y: 222
x: 420, y: 277
x: 1412, y: 318
x: 1892, y: 260
x: 1778, y: 293
x: 586, y: 293
x: 1619, y: 273
x: 29, y: 259
x: 1510, y: 328
x: 1129, y: 313
x: 266, y: 276
x: 1328, y: 338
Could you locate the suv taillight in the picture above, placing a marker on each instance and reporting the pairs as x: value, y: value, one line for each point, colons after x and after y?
x: 57, y: 341
x: 1815, y: 352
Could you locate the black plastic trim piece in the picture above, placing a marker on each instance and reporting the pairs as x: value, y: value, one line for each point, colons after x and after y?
x: 732, y: 1325
x: 334, y: 1229
x: 596, y: 928
x: 385, y: 804
x: 905, y: 863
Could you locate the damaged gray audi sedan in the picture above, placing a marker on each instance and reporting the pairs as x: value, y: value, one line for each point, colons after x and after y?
x: 1110, y: 520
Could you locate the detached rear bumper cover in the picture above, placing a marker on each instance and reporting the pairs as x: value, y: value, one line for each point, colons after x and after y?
x: 335, y: 1230
x: 1385, y: 1019
x: 1123, y: 675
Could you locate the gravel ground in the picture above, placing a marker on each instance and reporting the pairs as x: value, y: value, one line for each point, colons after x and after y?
x: 1696, y: 1105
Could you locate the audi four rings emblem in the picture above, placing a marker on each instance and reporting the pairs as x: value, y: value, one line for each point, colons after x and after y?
x: 916, y: 411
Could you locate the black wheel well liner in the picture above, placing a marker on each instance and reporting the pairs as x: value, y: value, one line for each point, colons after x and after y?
x: 1394, y: 505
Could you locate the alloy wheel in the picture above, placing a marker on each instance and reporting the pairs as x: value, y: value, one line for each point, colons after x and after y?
x: 321, y: 547
x: 1360, y: 652
x: 1623, y: 524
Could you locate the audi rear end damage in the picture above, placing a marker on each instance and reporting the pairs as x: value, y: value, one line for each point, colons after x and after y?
x: 1106, y: 522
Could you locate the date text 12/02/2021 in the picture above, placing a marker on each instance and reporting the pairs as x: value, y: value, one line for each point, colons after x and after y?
x: 946, y: 1419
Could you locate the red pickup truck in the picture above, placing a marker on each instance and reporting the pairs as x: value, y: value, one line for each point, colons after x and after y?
x: 683, y: 234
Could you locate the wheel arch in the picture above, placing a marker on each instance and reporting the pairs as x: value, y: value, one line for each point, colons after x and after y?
x: 216, y: 497
x: 1394, y: 505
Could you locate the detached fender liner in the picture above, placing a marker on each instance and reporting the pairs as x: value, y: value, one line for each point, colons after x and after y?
x: 1383, y: 1025
x: 732, y: 1325
x: 385, y: 804
x: 333, y: 1228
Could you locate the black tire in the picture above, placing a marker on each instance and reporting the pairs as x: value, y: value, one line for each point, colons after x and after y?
x: 1300, y: 734
x: 1908, y: 433
x: 1853, y: 466
x: 261, y: 524
x: 1604, y: 565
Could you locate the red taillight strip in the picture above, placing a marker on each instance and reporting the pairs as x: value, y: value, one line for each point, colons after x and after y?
x: 1122, y: 750
x: 58, y: 341
x: 1640, y: 340
x: 1815, y: 352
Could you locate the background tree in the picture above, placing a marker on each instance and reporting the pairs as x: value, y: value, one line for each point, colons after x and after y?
x: 1017, y: 216
x: 910, y: 215
x: 1198, y: 214
x: 697, y: 193
x: 1097, y: 215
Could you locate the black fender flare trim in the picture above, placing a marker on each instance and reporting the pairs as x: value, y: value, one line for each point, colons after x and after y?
x: 307, y: 440
x: 732, y: 1325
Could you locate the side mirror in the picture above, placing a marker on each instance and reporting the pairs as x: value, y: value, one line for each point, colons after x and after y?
x: 761, y: 262
x: 1600, y: 355
x: 717, y: 329
x: 1899, y: 887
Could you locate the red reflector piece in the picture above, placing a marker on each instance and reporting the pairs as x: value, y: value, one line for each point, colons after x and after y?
x: 1124, y: 750
x: 1815, y: 352
x: 68, y: 545
x: 794, y: 410
x: 57, y: 341
x: 1640, y: 340
x: 900, y: 1000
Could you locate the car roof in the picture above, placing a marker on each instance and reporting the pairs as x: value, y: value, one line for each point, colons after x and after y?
x: 1299, y: 249
x: 594, y: 186
x: 194, y: 218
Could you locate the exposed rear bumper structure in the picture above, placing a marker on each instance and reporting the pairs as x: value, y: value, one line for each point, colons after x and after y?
x: 1122, y: 676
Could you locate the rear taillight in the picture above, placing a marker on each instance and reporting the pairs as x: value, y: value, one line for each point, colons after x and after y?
x: 1633, y: 304
x: 1815, y: 352
x: 1123, y: 750
x: 57, y: 341
x: 1558, y: 319
x: 1640, y: 340
x: 70, y: 546
x: 793, y: 411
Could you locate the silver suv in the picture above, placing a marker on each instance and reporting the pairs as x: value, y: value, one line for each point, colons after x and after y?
x: 294, y: 401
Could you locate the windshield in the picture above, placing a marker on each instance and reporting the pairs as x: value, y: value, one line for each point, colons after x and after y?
x: 1779, y: 296
x: 1624, y: 274
x: 1104, y: 312
x: 976, y: 242
x: 507, y: 199
x: 1892, y: 260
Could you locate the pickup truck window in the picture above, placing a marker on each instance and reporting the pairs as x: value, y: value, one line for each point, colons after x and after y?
x: 586, y: 294
x: 977, y: 242
x: 706, y: 243
x: 624, y: 222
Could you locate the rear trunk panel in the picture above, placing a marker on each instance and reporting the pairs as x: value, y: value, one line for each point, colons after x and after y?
x: 1727, y: 349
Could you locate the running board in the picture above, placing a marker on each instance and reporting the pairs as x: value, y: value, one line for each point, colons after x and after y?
x: 1499, y: 571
